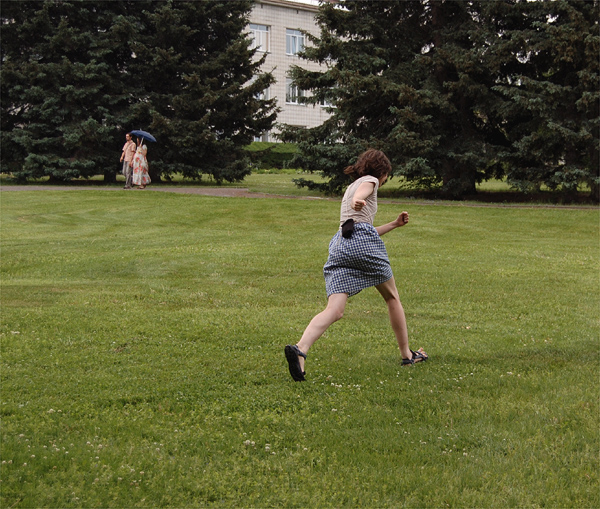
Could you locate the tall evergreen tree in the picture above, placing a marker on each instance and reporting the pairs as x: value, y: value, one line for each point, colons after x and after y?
x: 403, y: 77
x: 197, y: 87
x: 553, y: 89
x: 457, y: 92
x: 61, y: 90
x: 77, y: 75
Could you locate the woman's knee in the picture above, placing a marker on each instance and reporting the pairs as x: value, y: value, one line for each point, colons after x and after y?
x: 335, y: 313
x: 336, y: 306
x: 338, y: 315
x: 389, y: 291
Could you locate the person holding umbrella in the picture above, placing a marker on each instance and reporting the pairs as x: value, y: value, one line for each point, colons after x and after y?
x: 140, y: 163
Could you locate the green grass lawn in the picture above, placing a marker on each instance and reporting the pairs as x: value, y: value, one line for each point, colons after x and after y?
x: 281, y: 182
x: 142, y: 361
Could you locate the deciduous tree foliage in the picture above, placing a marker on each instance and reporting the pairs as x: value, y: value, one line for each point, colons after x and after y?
x: 77, y: 75
x: 456, y: 92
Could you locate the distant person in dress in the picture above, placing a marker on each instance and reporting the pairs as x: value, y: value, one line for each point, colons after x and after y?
x: 127, y: 160
x: 140, y: 165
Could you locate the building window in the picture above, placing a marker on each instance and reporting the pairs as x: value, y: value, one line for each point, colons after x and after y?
x: 264, y: 95
x: 325, y: 103
x: 263, y: 137
x: 294, y: 41
x: 293, y: 94
x: 260, y: 37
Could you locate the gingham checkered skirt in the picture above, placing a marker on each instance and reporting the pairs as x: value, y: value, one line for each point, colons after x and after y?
x: 356, y: 263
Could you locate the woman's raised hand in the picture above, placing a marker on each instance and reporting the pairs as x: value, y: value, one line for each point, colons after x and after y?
x: 402, y: 219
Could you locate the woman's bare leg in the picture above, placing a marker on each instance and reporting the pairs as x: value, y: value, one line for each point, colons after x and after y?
x: 389, y: 292
x: 321, y: 322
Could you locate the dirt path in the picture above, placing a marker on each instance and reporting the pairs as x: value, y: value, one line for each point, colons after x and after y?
x: 245, y: 193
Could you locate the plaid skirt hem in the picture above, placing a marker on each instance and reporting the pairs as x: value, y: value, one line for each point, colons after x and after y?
x: 356, y: 263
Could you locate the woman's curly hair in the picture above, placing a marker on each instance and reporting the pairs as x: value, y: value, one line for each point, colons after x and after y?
x: 372, y: 162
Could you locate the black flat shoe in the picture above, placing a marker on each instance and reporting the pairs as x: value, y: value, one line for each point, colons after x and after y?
x: 291, y: 354
x: 419, y: 356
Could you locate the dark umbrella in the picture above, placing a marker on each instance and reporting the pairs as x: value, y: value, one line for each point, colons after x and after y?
x: 143, y: 134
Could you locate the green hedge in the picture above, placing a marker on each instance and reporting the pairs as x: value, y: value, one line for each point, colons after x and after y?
x: 266, y: 155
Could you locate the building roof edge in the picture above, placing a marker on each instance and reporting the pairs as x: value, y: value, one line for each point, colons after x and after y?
x: 292, y: 4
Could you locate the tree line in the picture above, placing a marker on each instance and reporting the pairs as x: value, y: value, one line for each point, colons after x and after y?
x: 457, y: 92
x: 77, y: 75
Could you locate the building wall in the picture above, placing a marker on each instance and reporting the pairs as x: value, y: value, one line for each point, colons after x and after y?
x: 280, y: 15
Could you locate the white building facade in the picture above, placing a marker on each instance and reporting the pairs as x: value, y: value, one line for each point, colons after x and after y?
x: 276, y: 28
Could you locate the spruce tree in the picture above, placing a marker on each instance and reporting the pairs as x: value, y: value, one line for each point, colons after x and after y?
x: 61, y: 90
x: 553, y: 90
x: 457, y: 92
x: 196, y: 88
x: 403, y: 77
x: 77, y: 75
